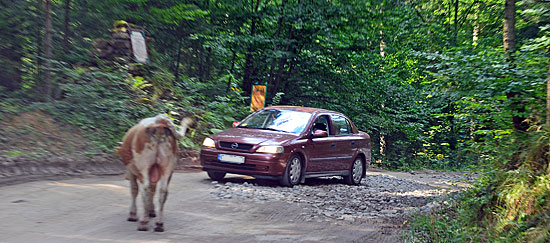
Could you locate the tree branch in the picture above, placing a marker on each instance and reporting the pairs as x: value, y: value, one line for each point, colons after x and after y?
x: 419, y: 15
x: 468, y: 10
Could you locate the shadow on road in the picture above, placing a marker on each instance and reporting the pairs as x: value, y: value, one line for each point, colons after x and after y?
x: 275, y: 183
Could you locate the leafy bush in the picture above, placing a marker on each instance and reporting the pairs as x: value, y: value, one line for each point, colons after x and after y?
x: 106, y: 101
x: 509, y: 204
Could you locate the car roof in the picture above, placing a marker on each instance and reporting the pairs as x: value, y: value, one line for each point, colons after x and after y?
x: 308, y: 110
x: 300, y: 108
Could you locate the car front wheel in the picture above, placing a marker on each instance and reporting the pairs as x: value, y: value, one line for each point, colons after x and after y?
x: 293, y: 171
x: 216, y: 175
x: 355, y: 173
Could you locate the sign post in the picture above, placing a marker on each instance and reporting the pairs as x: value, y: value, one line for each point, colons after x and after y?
x: 139, y: 47
x: 257, y: 100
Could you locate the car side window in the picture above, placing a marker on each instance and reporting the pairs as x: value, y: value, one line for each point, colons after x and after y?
x: 341, y: 125
x: 321, y: 123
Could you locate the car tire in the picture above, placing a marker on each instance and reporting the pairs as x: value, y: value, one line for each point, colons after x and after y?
x: 216, y: 175
x: 293, y: 171
x: 355, y: 173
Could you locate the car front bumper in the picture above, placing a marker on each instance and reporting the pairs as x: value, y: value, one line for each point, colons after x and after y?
x: 259, y: 165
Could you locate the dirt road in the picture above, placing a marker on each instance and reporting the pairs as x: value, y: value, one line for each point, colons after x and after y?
x: 95, y: 210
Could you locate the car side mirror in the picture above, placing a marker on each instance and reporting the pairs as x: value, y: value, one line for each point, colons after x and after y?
x: 320, y: 134
x: 235, y: 124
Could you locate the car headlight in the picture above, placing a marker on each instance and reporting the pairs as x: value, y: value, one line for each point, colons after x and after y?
x: 208, y: 142
x: 271, y: 149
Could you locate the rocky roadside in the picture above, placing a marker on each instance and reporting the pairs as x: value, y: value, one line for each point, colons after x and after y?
x: 25, y: 168
x: 381, y: 195
x: 20, y: 169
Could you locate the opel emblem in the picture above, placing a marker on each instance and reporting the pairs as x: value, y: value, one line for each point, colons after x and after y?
x: 234, y: 145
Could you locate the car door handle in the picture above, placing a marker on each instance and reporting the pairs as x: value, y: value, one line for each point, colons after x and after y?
x: 332, y: 145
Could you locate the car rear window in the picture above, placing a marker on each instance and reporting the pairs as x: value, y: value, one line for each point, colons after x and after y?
x: 341, y: 125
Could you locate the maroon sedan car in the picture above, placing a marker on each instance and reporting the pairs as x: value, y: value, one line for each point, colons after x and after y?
x: 289, y: 144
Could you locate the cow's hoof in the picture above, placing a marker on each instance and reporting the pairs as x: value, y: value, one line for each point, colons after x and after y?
x: 132, y: 217
x: 152, y: 214
x: 159, y: 227
x: 143, y: 226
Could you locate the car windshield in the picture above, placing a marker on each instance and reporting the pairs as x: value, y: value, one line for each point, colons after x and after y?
x: 277, y: 120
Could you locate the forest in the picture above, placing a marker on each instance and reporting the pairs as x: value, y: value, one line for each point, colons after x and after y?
x: 438, y: 84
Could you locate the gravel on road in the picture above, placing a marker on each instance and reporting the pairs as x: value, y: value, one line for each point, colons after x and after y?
x: 382, y: 195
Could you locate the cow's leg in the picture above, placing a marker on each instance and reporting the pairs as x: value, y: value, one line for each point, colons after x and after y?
x: 163, y: 194
x: 134, y: 191
x: 144, y: 188
x: 151, y: 197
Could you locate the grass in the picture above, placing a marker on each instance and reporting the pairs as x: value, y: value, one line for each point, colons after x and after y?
x: 12, y: 154
x: 511, y: 204
x: 456, y: 222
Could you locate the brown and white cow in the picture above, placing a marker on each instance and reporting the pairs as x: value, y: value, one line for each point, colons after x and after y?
x: 149, y: 151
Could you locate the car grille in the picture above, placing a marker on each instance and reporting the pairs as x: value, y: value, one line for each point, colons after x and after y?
x: 236, y: 146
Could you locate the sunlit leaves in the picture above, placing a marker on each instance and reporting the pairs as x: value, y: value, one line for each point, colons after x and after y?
x: 178, y: 13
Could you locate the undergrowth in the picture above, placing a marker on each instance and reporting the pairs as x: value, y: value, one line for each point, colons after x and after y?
x: 105, y: 101
x: 511, y: 204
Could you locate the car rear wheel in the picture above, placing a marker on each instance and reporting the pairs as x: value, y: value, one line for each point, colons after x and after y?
x: 216, y: 175
x: 355, y: 173
x: 293, y: 171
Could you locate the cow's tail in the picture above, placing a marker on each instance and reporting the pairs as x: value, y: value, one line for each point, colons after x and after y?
x: 178, y: 134
x: 185, y: 124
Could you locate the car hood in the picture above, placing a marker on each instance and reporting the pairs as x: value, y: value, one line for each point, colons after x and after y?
x: 253, y: 136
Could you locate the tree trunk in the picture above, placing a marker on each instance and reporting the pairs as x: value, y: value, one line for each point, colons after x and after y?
x: 283, y: 61
x: 475, y: 34
x: 231, y: 70
x: 548, y: 109
x: 509, y: 35
x: 288, y: 75
x: 249, y: 66
x: 38, y: 54
x: 548, y: 96
x: 448, y: 16
x: 200, y: 57
x: 177, y: 67
x: 383, y: 54
x: 208, y: 68
x: 382, y: 140
x: 275, y: 48
x: 518, y: 108
x: 382, y: 137
x: 455, y: 35
x: 66, y: 34
x: 47, y: 49
x: 509, y: 45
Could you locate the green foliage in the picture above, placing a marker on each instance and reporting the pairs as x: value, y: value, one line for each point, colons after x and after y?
x: 460, y: 218
x: 428, y: 80
x: 178, y: 13
x: 508, y: 205
x: 404, y: 71
x: 106, y: 102
x: 277, y: 98
x: 101, y: 103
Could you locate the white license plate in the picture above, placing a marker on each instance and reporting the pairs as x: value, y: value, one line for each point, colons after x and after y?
x: 229, y: 158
